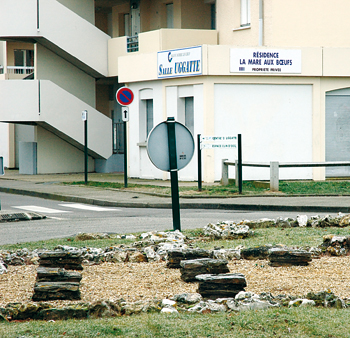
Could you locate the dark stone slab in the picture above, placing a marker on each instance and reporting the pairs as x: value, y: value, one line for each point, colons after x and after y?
x: 56, y: 291
x: 177, y: 255
x: 49, y: 274
x: 221, y: 285
x: 62, y: 259
x: 261, y: 252
x: 192, y: 268
x: 285, y: 257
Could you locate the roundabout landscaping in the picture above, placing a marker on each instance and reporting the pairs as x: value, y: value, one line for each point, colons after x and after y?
x: 132, y: 279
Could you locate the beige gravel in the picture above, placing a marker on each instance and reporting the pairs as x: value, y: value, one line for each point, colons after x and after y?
x: 140, y: 281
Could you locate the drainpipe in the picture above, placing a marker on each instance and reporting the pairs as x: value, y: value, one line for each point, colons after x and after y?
x: 261, y: 22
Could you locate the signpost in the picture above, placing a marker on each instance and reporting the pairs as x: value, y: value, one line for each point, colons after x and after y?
x: 220, y: 142
x: 170, y: 147
x: 2, y: 172
x: 124, y: 97
x: 84, y: 118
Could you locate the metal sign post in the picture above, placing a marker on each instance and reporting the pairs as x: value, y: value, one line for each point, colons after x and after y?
x: 2, y: 172
x: 125, y: 118
x: 240, y: 174
x: 124, y: 97
x: 84, y: 118
x: 170, y: 147
x: 173, y: 173
x: 199, y: 152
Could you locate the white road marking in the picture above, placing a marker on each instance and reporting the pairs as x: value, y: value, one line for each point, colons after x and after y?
x: 87, y: 207
x: 43, y: 210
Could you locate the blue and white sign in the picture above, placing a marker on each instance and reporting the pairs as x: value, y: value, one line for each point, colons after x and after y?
x: 179, y: 62
x: 272, y: 61
x: 221, y: 142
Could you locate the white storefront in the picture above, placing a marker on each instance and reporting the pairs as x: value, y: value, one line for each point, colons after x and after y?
x: 278, y: 99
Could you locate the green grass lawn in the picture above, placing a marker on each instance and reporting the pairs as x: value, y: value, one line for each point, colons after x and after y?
x: 289, y: 236
x: 276, y: 322
x: 249, y: 188
x: 283, y: 322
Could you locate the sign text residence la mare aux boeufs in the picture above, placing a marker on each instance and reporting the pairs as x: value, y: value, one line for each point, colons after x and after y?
x: 179, y: 62
x: 276, y: 61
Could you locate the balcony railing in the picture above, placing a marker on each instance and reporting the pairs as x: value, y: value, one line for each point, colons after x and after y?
x: 19, y: 70
x: 132, y: 44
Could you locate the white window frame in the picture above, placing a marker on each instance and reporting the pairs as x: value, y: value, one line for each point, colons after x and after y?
x: 245, y: 13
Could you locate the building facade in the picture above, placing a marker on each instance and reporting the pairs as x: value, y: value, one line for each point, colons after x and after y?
x: 274, y: 71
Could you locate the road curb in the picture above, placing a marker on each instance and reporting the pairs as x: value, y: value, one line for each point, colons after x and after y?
x: 183, y: 204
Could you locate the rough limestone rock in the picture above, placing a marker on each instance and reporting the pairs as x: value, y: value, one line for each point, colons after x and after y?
x: 188, y: 298
x: 119, y: 256
x: 137, y: 257
x: 229, y: 254
x: 335, y: 245
x: 326, y: 299
x: 301, y: 302
x: 344, y: 221
x: 207, y: 307
x: 227, y: 230
x: 220, y: 285
x: 3, y: 268
x: 192, y: 268
x: 261, y: 223
x: 288, y: 257
x: 82, y: 236
x: 175, y: 256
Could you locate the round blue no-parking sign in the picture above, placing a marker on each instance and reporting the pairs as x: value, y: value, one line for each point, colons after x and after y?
x: 124, y: 96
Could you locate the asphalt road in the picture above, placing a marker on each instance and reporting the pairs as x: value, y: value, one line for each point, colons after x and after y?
x: 67, y: 219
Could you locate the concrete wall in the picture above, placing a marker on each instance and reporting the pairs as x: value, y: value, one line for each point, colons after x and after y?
x: 139, y: 163
x: 20, y: 18
x: 302, y: 23
x: 84, y: 8
x: 118, y: 19
x: 287, y: 23
x: 49, y: 66
x: 57, y: 156
x: 85, y: 43
x: 4, y: 143
x: 3, y: 53
x: 195, y: 14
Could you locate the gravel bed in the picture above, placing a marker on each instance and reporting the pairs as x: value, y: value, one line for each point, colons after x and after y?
x: 141, y: 281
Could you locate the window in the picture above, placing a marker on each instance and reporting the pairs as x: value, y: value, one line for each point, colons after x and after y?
x: 127, y: 24
x: 213, y: 16
x: 189, y: 114
x: 146, y: 116
x: 170, y: 15
x: 245, y: 13
x: 24, y: 61
x: 149, y: 116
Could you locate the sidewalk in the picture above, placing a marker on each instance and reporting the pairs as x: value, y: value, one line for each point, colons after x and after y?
x: 51, y: 187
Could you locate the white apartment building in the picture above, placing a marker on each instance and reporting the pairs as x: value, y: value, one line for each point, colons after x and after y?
x: 274, y: 71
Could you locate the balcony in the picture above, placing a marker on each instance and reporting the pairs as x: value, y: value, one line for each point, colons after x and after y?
x: 57, y: 28
x: 16, y: 72
x: 45, y: 104
x: 155, y: 41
